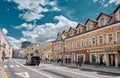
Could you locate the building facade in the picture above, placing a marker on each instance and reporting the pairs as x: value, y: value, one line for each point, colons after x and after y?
x: 94, y: 41
x: 5, y: 46
x: 25, y: 44
x: 46, y: 51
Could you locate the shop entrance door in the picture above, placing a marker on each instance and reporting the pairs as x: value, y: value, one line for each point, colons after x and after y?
x: 112, y: 59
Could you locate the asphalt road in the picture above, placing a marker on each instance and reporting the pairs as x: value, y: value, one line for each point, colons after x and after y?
x: 16, y: 68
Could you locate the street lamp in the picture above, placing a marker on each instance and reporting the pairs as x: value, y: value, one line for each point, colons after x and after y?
x: 63, y: 47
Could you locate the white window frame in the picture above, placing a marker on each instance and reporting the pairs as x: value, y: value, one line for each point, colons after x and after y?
x: 78, y: 30
x: 92, y: 40
x: 89, y: 26
x: 99, y: 40
x: 71, y: 33
x: 116, y: 35
x: 108, y: 37
x: 81, y: 55
x: 82, y: 41
x: 99, y: 56
x: 102, y: 21
x: 91, y: 57
x: 119, y: 15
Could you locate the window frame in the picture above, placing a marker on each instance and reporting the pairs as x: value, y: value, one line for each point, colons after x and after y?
x: 92, y: 41
x: 108, y: 38
x: 89, y: 26
x: 102, y: 22
x: 99, y: 39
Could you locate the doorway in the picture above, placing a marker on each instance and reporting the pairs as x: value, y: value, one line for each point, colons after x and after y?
x: 112, y: 59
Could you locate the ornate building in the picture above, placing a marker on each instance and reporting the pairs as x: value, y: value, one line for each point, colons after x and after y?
x: 95, y: 40
x: 5, y: 46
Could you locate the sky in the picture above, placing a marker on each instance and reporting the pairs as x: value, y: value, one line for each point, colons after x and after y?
x: 39, y: 21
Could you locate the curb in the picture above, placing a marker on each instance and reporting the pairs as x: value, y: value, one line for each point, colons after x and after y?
x: 92, y: 70
x: 82, y: 68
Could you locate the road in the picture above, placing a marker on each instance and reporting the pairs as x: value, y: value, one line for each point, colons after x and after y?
x: 16, y: 68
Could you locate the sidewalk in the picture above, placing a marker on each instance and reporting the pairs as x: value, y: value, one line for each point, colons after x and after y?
x: 88, y: 67
x: 1, y: 70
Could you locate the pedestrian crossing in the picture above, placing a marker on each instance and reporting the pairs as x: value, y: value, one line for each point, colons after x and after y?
x: 11, y: 66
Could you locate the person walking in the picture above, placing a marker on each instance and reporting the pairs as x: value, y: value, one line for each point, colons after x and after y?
x: 101, y: 61
x: 3, y: 56
x: 66, y: 60
x: 69, y: 60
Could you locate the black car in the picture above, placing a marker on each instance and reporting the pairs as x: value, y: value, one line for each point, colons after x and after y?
x: 33, y: 60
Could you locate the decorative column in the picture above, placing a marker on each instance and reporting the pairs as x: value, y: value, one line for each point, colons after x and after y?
x: 107, y: 59
x: 116, y: 60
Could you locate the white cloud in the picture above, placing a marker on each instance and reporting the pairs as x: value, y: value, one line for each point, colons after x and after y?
x: 55, y: 9
x: 25, y: 25
x: 106, y: 3
x: 48, y: 31
x: 41, y: 33
x: 33, y: 9
x: 114, y: 1
x: 5, y: 31
x: 16, y: 44
x: 31, y: 16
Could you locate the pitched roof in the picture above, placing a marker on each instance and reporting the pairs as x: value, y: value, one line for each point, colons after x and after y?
x: 80, y: 25
x: 117, y: 8
x: 90, y: 20
x: 103, y: 14
x: 71, y: 28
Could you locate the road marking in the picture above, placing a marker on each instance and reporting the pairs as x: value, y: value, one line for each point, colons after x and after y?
x: 90, y: 76
x: 11, y: 66
x: 17, y: 66
x: 5, y: 66
x: 23, y: 74
x: 5, y: 73
x: 35, y: 70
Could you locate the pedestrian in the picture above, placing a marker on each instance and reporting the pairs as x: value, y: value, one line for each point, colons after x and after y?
x: 101, y: 61
x: 66, y: 60
x: 3, y: 56
x: 79, y: 62
x: 69, y: 60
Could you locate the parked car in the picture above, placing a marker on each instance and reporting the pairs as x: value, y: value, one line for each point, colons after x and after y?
x: 33, y: 60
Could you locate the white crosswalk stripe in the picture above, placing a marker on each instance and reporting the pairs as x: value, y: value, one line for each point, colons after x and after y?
x: 17, y: 66
x: 5, y: 66
x: 11, y: 66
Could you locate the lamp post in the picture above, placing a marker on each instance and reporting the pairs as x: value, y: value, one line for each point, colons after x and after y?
x: 63, y: 48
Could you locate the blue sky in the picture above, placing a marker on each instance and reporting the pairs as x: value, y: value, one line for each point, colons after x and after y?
x: 39, y: 21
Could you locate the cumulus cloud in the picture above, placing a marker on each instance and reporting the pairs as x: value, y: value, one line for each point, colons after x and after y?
x: 5, y: 31
x: 24, y: 25
x: 34, y: 9
x: 16, y: 44
x: 55, y: 9
x: 105, y: 3
x: 41, y: 33
x: 48, y: 31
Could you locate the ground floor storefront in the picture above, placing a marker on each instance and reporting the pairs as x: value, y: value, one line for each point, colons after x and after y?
x: 74, y: 56
x: 106, y: 56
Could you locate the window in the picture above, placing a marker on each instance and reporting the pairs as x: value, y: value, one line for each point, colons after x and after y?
x: 89, y: 27
x: 82, y: 44
x: 119, y: 15
x: 102, y: 22
x: 70, y: 33
x: 78, y: 30
x: 100, y: 39
x: 110, y: 37
x: 93, y: 41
